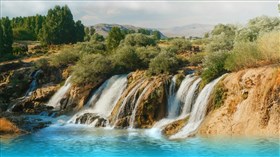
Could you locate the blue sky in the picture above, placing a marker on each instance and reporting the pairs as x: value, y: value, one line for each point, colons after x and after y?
x: 156, y: 14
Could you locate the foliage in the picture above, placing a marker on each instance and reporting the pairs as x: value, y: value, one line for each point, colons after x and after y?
x: 145, y: 54
x: 114, y: 38
x: 138, y: 39
x: 6, y: 36
x: 42, y: 63
x: 165, y: 62
x: 269, y: 46
x: 180, y: 45
x: 197, y: 58
x: 64, y: 58
x: 214, y: 65
x: 220, y: 42
x: 59, y: 27
x: 23, y: 34
x: 27, y: 28
x: 126, y: 59
x: 256, y: 27
x: 97, y: 37
x: 244, y: 55
x: 91, y: 68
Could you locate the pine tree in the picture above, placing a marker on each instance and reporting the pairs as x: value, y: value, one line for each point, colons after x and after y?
x: 7, y: 36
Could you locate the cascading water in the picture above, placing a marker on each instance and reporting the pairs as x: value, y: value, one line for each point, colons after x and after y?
x: 103, y: 100
x: 131, y: 94
x: 189, y: 98
x: 198, y: 112
x: 180, y: 96
x: 185, y: 94
x: 133, y: 115
x: 33, y: 85
x: 56, y: 98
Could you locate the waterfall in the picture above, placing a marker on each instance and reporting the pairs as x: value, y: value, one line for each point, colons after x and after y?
x: 185, y: 95
x: 58, y: 96
x: 33, y: 85
x: 198, y: 112
x: 133, y: 115
x: 132, y: 93
x: 103, y: 100
x: 171, y: 94
x: 179, y: 97
x: 189, y: 98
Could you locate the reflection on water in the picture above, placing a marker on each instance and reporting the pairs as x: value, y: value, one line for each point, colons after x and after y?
x: 85, y: 141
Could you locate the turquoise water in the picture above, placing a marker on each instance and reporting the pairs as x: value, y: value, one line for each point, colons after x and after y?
x: 86, y: 141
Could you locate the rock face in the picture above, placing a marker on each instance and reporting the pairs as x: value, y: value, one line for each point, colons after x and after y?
x: 147, y: 95
x: 7, y: 127
x: 248, y: 104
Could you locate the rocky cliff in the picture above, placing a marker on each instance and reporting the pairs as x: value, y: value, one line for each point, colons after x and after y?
x: 245, y: 103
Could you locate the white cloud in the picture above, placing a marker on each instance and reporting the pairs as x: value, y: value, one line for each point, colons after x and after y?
x: 149, y: 14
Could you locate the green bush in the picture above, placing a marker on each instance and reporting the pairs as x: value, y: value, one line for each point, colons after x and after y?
x: 269, y: 46
x: 138, y: 39
x: 214, y: 65
x: 23, y: 34
x: 146, y: 54
x: 91, y: 68
x: 244, y: 55
x: 165, y: 62
x: 197, y: 58
x: 126, y: 59
x: 180, y: 45
x: 64, y: 58
x: 42, y: 63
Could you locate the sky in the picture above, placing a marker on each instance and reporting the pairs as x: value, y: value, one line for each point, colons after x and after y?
x: 155, y: 14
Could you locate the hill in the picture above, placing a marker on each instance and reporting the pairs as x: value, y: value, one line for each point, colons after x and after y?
x: 103, y: 28
x: 194, y: 30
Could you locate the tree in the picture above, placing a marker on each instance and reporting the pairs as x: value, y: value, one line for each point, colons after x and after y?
x: 80, y: 33
x: 6, y: 34
x: 114, y: 38
x: 60, y: 28
x: 156, y: 35
x: 138, y: 39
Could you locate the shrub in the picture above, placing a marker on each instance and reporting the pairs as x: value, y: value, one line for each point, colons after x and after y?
x: 42, y: 63
x: 220, y: 42
x: 269, y: 46
x: 138, y: 39
x: 180, y: 45
x: 65, y: 57
x: 145, y: 54
x: 244, y: 55
x: 196, y: 59
x: 214, y: 65
x: 165, y: 62
x: 126, y: 59
x: 91, y: 68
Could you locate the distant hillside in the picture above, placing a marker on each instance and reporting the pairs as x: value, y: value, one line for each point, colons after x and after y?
x: 195, y: 30
x: 103, y: 29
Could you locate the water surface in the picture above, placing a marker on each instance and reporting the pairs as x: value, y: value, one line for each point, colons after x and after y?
x: 78, y: 140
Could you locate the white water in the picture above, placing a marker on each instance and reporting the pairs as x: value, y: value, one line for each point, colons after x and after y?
x: 185, y: 94
x: 33, y: 85
x: 179, y: 97
x: 109, y: 93
x: 56, y: 98
x: 198, y: 112
x: 133, y: 115
x: 133, y: 93
x: 171, y: 94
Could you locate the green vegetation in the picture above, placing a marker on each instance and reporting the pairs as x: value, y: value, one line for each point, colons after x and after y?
x: 165, y: 62
x: 231, y: 48
x: 59, y: 27
x: 114, y: 38
x: 27, y: 28
x: 6, y: 36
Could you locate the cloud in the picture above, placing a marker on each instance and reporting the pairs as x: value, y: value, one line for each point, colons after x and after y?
x: 148, y: 14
